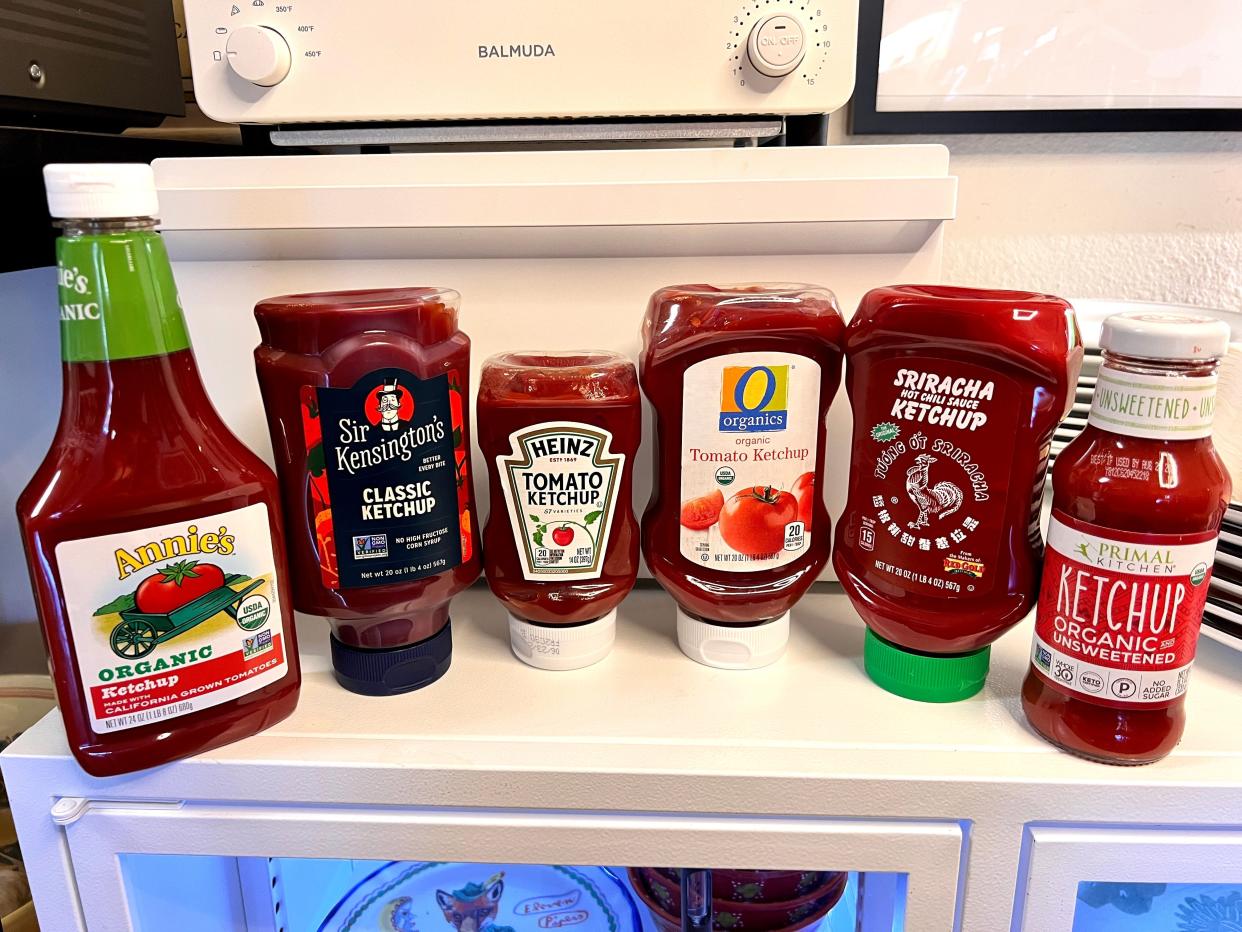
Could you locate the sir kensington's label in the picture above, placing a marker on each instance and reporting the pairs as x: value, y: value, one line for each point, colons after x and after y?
x: 173, y: 619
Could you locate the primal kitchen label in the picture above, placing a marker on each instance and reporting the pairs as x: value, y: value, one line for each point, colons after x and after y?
x: 172, y: 619
x: 560, y: 483
x: 933, y: 466
x: 1153, y: 405
x: 1119, y: 613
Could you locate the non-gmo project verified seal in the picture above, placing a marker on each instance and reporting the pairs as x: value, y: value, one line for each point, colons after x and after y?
x: 257, y: 644
x: 370, y: 546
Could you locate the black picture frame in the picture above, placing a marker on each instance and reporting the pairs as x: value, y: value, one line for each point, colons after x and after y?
x: 864, y: 119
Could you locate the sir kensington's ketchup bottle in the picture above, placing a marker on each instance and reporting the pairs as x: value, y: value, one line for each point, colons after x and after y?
x: 740, y: 379
x: 956, y: 393
x: 154, y: 536
x: 366, y: 396
x: 1138, y: 499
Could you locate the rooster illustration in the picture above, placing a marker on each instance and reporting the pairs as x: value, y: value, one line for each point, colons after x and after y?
x: 941, y: 500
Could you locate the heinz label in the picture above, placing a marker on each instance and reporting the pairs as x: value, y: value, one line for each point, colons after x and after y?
x: 560, y: 483
x: 387, y: 465
x: 750, y: 426
x: 1119, y: 613
x: 933, y: 473
x: 173, y: 619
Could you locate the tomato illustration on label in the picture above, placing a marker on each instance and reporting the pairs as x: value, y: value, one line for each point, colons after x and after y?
x: 698, y: 514
x: 177, y: 584
x: 804, y: 491
x: 563, y: 536
x: 753, y: 521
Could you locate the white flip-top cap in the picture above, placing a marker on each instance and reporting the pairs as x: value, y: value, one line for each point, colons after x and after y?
x: 99, y: 190
x: 730, y: 647
x: 1151, y: 335
x: 563, y: 647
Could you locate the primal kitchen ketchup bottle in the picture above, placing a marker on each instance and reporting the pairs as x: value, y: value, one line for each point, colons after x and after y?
x: 153, y: 534
x: 956, y: 393
x: 1138, y: 499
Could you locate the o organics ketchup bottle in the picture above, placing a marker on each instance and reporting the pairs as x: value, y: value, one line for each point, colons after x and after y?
x: 1138, y: 499
x: 366, y: 394
x: 740, y: 378
x: 956, y: 393
x: 559, y: 432
x: 153, y: 535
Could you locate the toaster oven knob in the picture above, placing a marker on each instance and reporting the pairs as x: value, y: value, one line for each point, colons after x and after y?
x: 776, y: 45
x: 258, y: 54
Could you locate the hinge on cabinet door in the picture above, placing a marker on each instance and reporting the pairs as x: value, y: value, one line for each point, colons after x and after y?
x: 68, y: 809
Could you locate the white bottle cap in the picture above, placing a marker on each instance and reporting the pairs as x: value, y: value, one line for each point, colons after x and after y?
x: 1165, y: 336
x: 101, y: 191
x: 562, y: 647
x: 732, y: 647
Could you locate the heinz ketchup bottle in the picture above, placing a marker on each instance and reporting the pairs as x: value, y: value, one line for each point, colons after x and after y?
x: 1138, y: 499
x: 153, y: 534
x: 956, y: 393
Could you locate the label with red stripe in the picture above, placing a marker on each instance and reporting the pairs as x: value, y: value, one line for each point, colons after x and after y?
x: 1119, y: 612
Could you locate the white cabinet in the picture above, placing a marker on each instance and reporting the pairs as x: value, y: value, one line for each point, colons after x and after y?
x: 953, y: 816
x: 1086, y: 878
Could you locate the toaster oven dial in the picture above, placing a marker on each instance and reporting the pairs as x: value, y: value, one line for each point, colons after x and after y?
x: 776, y: 45
x: 258, y: 54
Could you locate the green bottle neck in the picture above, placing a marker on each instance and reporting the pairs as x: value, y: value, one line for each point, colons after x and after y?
x: 116, y: 292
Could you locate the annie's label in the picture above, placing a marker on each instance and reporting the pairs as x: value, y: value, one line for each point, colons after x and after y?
x: 1119, y: 613
x: 1153, y: 406
x: 387, y: 470
x: 934, y: 470
x: 560, y: 483
x: 173, y: 619
x: 750, y: 430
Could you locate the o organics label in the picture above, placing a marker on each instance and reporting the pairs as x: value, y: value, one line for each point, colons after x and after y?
x: 172, y: 619
x: 750, y: 426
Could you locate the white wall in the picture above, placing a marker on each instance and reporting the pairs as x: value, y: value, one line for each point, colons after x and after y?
x: 1151, y: 216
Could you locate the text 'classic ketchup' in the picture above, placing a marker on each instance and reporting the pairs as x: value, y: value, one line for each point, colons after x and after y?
x: 956, y: 393
x: 1138, y: 499
x: 740, y: 379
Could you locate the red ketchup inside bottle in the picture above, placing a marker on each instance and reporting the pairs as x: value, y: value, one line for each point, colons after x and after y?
x: 559, y: 432
x: 956, y: 393
x: 1138, y: 498
x: 365, y: 393
x: 153, y: 534
x: 740, y: 379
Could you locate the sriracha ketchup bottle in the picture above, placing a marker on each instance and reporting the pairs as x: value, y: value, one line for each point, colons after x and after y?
x: 956, y: 393
x: 1138, y: 499
x: 153, y: 534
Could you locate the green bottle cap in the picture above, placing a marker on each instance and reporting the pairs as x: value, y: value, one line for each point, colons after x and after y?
x: 925, y: 677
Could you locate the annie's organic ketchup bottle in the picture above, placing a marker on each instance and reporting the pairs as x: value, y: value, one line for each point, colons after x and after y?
x: 559, y: 432
x: 366, y: 394
x: 956, y: 393
x: 1138, y: 499
x: 153, y: 534
x: 740, y: 378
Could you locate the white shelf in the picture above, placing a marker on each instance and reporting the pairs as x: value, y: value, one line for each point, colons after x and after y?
x: 641, y: 202
x: 645, y: 754
x: 648, y: 730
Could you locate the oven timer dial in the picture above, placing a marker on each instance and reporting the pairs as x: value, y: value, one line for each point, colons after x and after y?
x: 776, y: 45
x: 258, y: 54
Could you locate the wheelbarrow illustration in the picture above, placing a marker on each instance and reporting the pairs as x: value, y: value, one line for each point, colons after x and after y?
x: 138, y: 633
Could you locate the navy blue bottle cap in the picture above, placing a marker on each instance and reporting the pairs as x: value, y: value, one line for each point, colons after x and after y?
x: 394, y: 670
